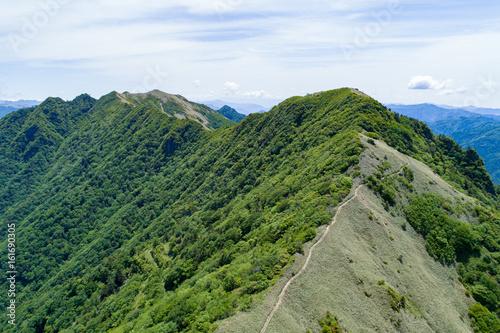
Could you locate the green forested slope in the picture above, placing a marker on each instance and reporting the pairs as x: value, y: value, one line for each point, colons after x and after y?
x: 128, y: 218
x: 29, y: 139
x: 231, y: 113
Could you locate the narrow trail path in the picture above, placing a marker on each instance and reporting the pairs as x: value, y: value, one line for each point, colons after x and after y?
x: 306, y: 263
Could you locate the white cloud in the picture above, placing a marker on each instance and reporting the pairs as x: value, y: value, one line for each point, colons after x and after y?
x: 197, y: 83
x: 256, y: 94
x: 427, y: 82
x: 489, y: 84
x: 453, y: 92
x: 447, y: 92
x: 231, y: 88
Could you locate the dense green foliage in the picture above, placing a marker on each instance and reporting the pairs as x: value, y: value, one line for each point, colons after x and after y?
x: 29, y: 140
x: 483, y: 320
x: 231, y: 113
x: 132, y: 211
x: 475, y: 248
x: 445, y: 237
x: 129, y: 218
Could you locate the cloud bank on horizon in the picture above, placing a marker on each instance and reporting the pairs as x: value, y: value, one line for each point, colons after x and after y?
x: 260, y: 51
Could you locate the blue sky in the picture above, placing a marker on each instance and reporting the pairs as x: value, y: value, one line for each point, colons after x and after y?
x: 253, y: 51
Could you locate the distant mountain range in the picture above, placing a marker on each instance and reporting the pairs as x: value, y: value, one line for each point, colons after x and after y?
x: 5, y: 110
x: 484, y: 111
x: 7, y: 107
x: 244, y: 108
x: 431, y: 113
x: 20, y: 103
x: 478, y: 128
x: 231, y: 113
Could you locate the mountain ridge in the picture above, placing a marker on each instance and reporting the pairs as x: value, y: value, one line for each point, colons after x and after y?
x: 341, y: 272
x: 243, y: 108
x: 207, y: 117
x: 429, y: 113
x: 231, y: 113
x: 134, y: 218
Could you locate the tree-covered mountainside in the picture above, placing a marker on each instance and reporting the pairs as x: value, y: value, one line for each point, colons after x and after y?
x: 131, y: 214
x: 481, y: 132
x: 231, y: 113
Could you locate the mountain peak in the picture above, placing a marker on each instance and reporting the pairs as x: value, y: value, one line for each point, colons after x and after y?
x: 176, y: 106
x: 231, y: 113
x: 155, y: 93
x: 359, y: 92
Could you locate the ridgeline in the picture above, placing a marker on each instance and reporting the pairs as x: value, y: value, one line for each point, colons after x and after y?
x: 149, y: 212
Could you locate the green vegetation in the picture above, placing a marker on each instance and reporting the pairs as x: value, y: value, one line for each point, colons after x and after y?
x: 136, y: 218
x: 445, y: 237
x: 178, y: 106
x: 131, y: 219
x: 387, y: 185
x: 231, y: 113
x: 483, y: 320
x: 330, y: 324
x: 401, y: 302
x: 475, y: 248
